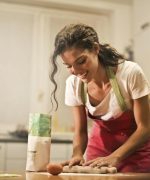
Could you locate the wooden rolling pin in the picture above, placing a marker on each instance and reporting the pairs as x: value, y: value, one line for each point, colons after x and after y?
x: 90, y: 170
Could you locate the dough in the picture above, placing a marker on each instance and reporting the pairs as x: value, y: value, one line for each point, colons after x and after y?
x: 88, y: 169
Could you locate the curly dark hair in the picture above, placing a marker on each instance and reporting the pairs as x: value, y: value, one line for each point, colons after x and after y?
x: 83, y: 37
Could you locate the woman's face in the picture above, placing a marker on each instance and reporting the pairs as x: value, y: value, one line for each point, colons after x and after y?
x: 81, y: 63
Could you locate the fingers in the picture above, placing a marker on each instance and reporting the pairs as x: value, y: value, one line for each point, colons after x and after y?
x: 65, y: 163
x: 76, y: 161
x: 97, y: 162
x: 82, y: 162
x: 102, y: 163
x: 71, y: 164
x: 88, y: 162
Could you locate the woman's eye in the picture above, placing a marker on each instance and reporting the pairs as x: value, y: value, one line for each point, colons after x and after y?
x: 81, y: 61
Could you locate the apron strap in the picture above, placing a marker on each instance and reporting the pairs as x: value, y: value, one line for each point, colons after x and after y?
x: 116, y: 88
x: 114, y: 85
x: 83, y: 92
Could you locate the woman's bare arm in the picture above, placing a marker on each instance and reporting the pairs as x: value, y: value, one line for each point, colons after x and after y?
x: 80, y: 135
x: 142, y: 134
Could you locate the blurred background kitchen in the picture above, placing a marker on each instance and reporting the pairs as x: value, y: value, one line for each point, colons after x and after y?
x: 27, y: 32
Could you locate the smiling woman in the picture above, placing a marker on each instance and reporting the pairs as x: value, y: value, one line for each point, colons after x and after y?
x: 116, y: 99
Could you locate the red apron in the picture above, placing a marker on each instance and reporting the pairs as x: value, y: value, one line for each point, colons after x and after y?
x: 107, y: 136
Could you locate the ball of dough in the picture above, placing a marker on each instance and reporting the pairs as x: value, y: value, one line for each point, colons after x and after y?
x: 54, y: 168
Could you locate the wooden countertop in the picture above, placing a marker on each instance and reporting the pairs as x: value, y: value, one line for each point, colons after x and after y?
x: 73, y: 176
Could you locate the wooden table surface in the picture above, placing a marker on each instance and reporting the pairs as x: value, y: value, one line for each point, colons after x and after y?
x: 73, y: 176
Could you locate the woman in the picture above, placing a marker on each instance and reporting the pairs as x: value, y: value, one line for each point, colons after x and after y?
x: 110, y: 90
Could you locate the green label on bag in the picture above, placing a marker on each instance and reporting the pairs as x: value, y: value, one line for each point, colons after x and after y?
x: 40, y: 125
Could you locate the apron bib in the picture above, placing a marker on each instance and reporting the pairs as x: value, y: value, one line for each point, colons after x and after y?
x: 106, y: 137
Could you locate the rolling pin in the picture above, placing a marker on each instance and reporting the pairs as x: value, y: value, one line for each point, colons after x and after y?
x: 90, y: 170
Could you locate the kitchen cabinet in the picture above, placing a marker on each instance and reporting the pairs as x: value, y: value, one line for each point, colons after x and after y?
x: 60, y: 152
x: 16, y: 157
x: 2, y: 156
x: 13, y: 155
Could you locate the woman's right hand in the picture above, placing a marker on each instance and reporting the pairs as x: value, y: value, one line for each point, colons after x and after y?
x: 75, y: 160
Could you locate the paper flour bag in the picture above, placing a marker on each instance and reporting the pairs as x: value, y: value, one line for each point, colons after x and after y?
x: 39, y: 142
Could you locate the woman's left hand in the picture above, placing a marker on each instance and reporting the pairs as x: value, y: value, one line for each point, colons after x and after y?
x: 109, y: 161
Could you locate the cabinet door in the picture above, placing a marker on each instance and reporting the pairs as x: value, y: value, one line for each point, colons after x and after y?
x: 69, y: 150
x: 15, y: 166
x: 16, y: 150
x: 16, y: 157
x: 58, y: 152
x: 2, y: 156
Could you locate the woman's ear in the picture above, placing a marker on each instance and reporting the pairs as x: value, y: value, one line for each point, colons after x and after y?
x: 96, y: 47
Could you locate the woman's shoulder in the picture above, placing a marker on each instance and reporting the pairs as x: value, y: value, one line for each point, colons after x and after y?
x: 129, y: 64
x: 73, y: 91
x: 129, y: 67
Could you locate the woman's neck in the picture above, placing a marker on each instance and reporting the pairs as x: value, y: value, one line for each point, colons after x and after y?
x: 100, y: 78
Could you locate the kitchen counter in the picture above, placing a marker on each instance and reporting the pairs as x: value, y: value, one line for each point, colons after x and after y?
x: 73, y: 176
x: 55, y: 139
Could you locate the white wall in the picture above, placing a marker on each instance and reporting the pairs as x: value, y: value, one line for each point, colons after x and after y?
x: 15, y: 64
x: 141, y: 15
x: 120, y: 11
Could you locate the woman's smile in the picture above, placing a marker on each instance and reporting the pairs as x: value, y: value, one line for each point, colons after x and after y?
x: 83, y: 76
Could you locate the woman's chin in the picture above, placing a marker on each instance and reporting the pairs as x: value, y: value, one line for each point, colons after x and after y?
x: 85, y: 79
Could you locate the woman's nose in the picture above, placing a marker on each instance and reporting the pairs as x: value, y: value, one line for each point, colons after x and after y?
x: 73, y: 70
